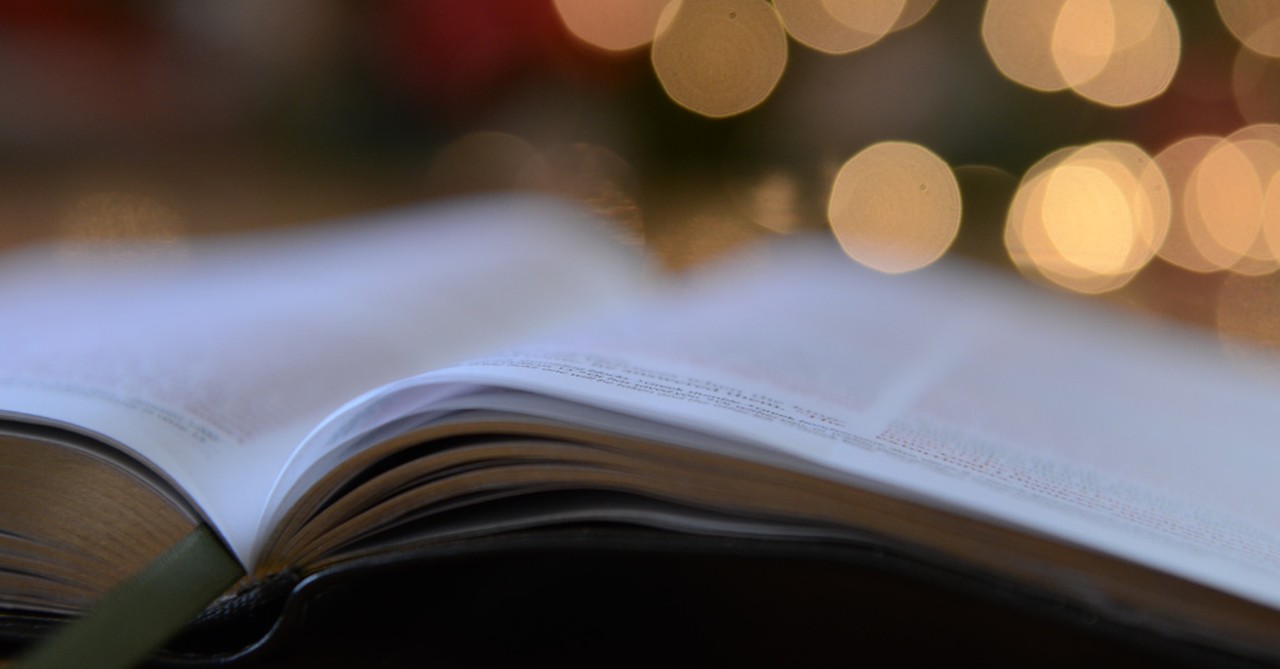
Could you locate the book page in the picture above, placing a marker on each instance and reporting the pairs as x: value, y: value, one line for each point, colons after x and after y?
x: 953, y: 386
x: 213, y: 364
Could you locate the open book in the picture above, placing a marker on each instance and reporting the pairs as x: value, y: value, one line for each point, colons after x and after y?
x: 490, y: 366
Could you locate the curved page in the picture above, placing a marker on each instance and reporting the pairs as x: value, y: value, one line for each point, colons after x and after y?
x: 213, y: 362
x: 949, y: 386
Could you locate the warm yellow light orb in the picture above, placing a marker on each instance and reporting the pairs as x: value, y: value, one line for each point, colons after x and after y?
x: 895, y: 207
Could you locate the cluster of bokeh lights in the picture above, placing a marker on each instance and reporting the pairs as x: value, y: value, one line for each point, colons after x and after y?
x: 723, y: 57
x: 1087, y: 218
x: 1113, y: 52
x: 1090, y: 218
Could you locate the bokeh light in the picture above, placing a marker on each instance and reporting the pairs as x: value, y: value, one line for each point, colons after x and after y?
x: 373, y: 106
x: 1116, y: 53
x: 912, y: 12
x: 1254, y: 82
x: 1261, y: 144
x: 1084, y: 37
x: 1146, y: 49
x: 895, y: 207
x: 1178, y: 162
x: 1089, y: 218
x: 719, y: 57
x: 1226, y: 197
x: 1256, y: 23
x: 839, y: 26
x: 617, y: 25
x: 1018, y: 36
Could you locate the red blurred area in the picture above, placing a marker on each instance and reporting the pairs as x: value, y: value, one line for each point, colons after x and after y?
x: 459, y: 57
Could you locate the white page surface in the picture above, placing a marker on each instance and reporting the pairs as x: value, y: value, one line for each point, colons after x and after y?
x: 214, y: 364
x: 1137, y: 438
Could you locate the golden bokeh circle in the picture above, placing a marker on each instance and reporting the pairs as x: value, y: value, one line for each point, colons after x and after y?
x: 1018, y: 36
x: 1088, y: 218
x: 1178, y: 162
x: 1147, y: 50
x: 1114, y: 52
x: 617, y: 25
x: 895, y: 207
x: 719, y: 57
x: 839, y: 26
x: 1256, y: 23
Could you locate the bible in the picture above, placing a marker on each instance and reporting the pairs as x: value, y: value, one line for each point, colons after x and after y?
x: 374, y: 389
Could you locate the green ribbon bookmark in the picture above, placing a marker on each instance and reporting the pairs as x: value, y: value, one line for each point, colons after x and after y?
x: 135, y: 618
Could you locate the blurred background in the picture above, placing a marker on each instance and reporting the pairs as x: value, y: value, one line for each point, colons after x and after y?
x: 1122, y: 149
